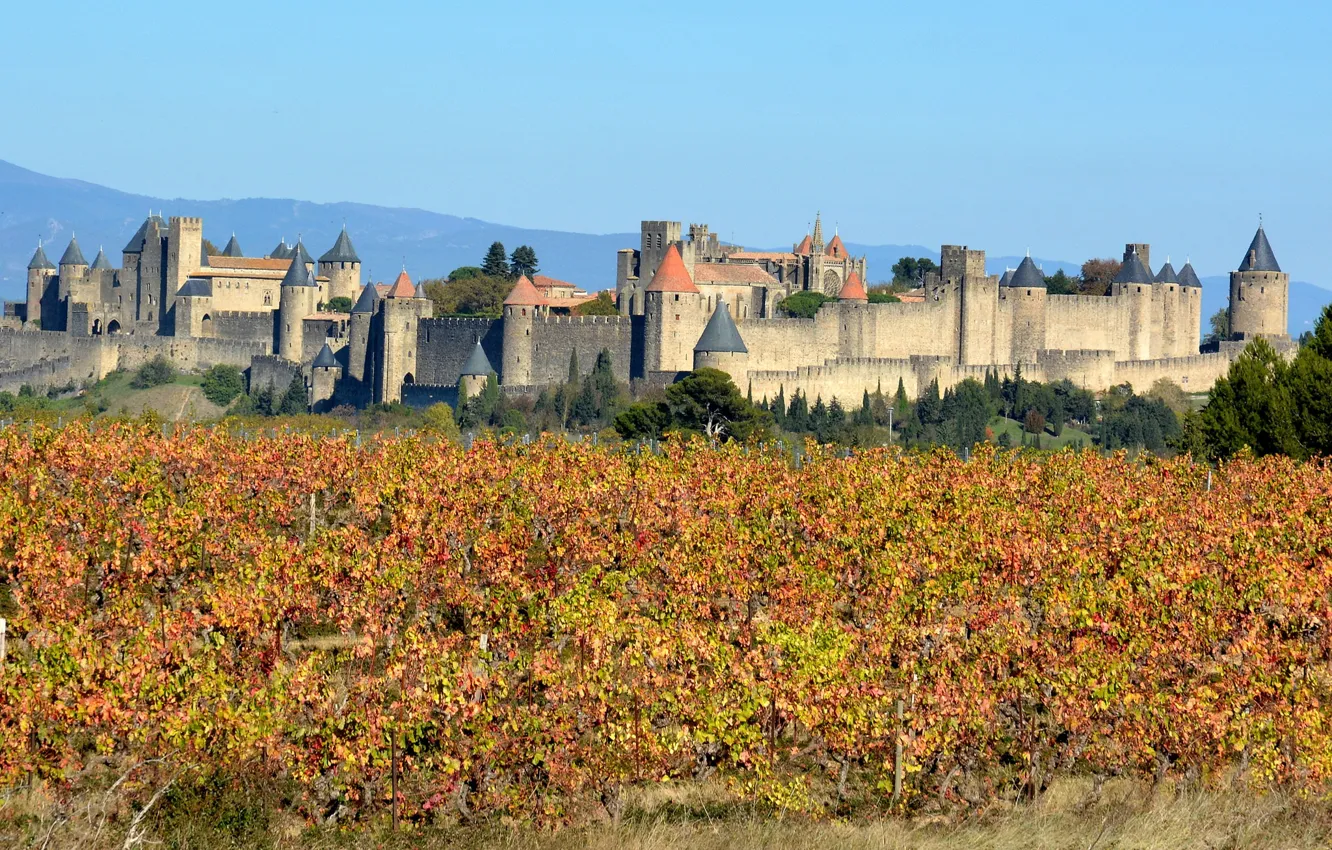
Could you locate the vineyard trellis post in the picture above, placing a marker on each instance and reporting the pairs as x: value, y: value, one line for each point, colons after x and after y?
x: 898, y: 767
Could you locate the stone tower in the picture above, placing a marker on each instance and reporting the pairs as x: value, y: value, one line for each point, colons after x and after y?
x: 1259, y: 293
x: 1191, y: 294
x: 296, y: 301
x: 342, y: 268
x: 676, y: 314
x: 184, y: 258
x: 143, y: 266
x: 521, y: 309
x: 721, y: 347
x: 324, y: 374
x: 857, y: 337
x: 360, y: 356
x: 475, y: 373
x: 401, y: 312
x: 1026, y: 292
x: 1172, y: 297
x: 42, y: 291
x: 962, y: 274
x: 1135, y: 283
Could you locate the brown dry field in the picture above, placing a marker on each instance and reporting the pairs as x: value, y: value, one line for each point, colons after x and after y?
x: 1126, y: 816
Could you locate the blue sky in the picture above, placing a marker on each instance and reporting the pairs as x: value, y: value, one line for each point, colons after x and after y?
x: 1066, y: 128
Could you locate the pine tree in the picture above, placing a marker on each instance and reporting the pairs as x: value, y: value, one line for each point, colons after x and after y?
x: 523, y: 261
x: 496, y: 263
x: 779, y: 408
x: 865, y: 415
x: 573, y: 367
x: 901, y: 407
x: 603, y: 381
x: 294, y: 400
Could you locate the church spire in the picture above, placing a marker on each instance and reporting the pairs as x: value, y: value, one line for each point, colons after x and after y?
x: 818, y: 233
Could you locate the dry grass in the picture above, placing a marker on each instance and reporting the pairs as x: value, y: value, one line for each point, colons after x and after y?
x: 1126, y: 816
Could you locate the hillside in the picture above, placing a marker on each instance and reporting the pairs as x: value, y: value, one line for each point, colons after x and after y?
x: 431, y: 244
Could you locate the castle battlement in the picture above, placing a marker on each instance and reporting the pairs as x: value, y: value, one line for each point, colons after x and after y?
x: 584, y: 320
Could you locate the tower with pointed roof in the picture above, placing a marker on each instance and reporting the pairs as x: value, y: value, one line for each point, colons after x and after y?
x: 342, y: 267
x: 297, y: 299
x: 1135, y: 287
x: 475, y: 374
x: 1259, y: 294
x: 721, y: 347
x: 325, y: 371
x: 523, y: 307
x: 1027, y: 296
x: 401, y: 314
x: 360, y: 332
x: 43, y: 291
x: 676, y: 313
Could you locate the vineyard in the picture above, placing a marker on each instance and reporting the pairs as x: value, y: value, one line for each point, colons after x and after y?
x: 532, y: 630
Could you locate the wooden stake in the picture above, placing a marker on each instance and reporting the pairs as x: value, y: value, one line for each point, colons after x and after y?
x: 393, y: 757
x: 898, y: 767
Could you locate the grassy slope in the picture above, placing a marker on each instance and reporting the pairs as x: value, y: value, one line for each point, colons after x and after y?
x: 182, y: 399
x: 699, y: 817
x: 1000, y: 425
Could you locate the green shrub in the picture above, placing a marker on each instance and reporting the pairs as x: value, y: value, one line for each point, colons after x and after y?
x: 222, y: 383
x: 154, y: 373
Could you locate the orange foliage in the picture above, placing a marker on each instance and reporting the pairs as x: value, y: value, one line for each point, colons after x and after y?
x: 539, y: 624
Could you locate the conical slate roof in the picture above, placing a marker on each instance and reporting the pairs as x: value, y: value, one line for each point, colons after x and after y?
x: 420, y: 290
x: 39, y: 260
x: 73, y: 256
x: 1007, y: 278
x: 342, y: 251
x: 1260, y: 257
x: 297, y: 274
x: 672, y: 276
x: 1188, y: 277
x: 478, y: 363
x: 1133, y: 271
x: 100, y: 262
x: 282, y: 251
x: 402, y: 287
x: 1026, y: 275
x: 524, y: 294
x: 136, y: 243
x: 721, y: 334
x: 853, y: 289
x: 1167, y: 273
x: 368, y: 299
x: 325, y: 359
x: 299, y: 251
x: 233, y: 248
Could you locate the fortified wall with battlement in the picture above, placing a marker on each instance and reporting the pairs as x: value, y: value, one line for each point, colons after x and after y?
x: 686, y: 300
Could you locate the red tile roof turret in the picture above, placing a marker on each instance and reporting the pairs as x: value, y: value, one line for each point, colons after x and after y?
x: 672, y: 276
x: 402, y: 287
x: 806, y: 246
x: 853, y: 289
x: 524, y: 294
x: 835, y: 247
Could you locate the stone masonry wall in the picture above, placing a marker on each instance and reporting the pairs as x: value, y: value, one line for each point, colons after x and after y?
x: 443, y: 346
x: 555, y: 338
x: 250, y: 325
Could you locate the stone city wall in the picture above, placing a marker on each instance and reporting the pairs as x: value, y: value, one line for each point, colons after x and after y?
x: 556, y: 338
x: 443, y: 346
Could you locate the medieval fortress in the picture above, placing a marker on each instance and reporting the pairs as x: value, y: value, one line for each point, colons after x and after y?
x: 686, y: 300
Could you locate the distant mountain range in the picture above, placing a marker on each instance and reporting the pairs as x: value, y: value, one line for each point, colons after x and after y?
x: 430, y: 244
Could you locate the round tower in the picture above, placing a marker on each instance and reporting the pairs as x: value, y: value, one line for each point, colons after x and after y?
x: 296, y: 300
x: 675, y: 315
x: 41, y: 286
x: 1173, y: 310
x: 324, y: 374
x: 721, y: 347
x: 521, y: 308
x: 360, y: 363
x: 475, y: 373
x: 1259, y: 294
x: 1027, y: 298
x: 1191, y: 296
x: 1135, y: 284
x: 342, y: 267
